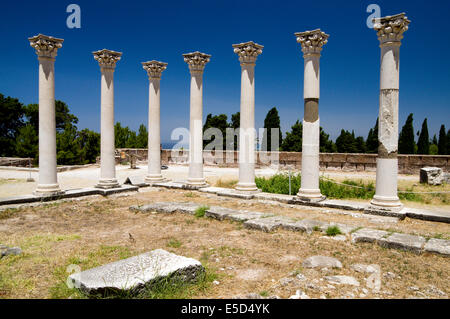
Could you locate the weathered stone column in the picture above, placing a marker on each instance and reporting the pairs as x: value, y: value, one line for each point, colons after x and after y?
x: 311, y: 42
x: 196, y: 62
x: 247, y: 52
x: 46, y: 48
x: 107, y: 60
x: 390, y: 32
x: 154, y: 70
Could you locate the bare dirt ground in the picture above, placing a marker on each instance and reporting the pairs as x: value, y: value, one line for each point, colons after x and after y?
x: 92, y: 231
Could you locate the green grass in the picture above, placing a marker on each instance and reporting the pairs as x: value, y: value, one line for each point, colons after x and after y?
x: 279, y: 184
x: 200, y: 212
x: 333, y: 231
x: 174, y: 243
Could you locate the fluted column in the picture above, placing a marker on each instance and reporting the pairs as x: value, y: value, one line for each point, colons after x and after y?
x: 46, y: 49
x: 154, y: 70
x: 107, y: 60
x: 390, y: 31
x: 248, y: 53
x: 311, y: 42
x: 196, y: 62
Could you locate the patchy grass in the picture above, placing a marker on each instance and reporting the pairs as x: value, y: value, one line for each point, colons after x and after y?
x: 226, y: 183
x: 333, y: 231
x: 174, y: 243
x: 200, y: 211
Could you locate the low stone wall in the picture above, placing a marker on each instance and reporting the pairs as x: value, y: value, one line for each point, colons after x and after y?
x: 407, y: 164
x: 16, y: 161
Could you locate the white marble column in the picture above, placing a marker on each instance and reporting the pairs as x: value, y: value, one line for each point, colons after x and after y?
x: 154, y: 70
x: 196, y: 62
x: 390, y: 31
x: 46, y: 48
x: 311, y: 42
x: 107, y: 60
x: 248, y: 53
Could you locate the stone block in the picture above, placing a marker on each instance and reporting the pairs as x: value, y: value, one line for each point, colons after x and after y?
x: 243, y: 216
x: 321, y: 262
x: 266, y: 224
x: 404, y: 242
x: 438, y: 246
x: 305, y: 225
x: 219, y: 213
x: 365, y: 235
x: 134, y: 274
x: 431, y: 175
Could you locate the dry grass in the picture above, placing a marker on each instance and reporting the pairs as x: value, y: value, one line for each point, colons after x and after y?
x: 95, y: 231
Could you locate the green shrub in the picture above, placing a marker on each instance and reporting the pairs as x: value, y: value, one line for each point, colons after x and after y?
x: 200, y: 212
x: 333, y: 231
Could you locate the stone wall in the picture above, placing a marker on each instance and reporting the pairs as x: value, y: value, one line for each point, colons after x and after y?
x: 17, y: 162
x: 407, y: 164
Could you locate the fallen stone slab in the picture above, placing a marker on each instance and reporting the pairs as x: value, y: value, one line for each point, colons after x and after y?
x: 136, y: 181
x: 403, y: 241
x: 219, y: 213
x: 187, y: 208
x: 366, y: 235
x: 321, y: 262
x: 159, y: 207
x: 438, y: 246
x: 429, y: 215
x: 9, y: 251
x: 363, y: 268
x: 235, y: 194
x: 342, y: 280
x: 267, y: 224
x: 431, y: 175
x: 243, y: 216
x: 305, y: 225
x: 136, y: 273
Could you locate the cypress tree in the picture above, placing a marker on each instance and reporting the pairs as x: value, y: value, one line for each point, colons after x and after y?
x: 272, y: 120
x: 423, y: 144
x: 293, y: 140
x: 442, y: 143
x: 372, y: 140
x: 406, y: 139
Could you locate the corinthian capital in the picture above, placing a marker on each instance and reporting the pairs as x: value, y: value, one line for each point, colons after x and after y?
x: 312, y: 41
x: 107, y: 58
x: 248, y: 51
x: 45, y: 46
x: 196, y: 61
x: 390, y: 29
x: 154, y: 68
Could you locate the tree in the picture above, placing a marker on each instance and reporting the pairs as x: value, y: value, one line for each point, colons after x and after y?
x: 235, y: 124
x: 423, y: 144
x: 346, y: 142
x: 124, y: 137
x: 68, y: 152
x: 448, y: 142
x: 326, y: 145
x: 62, y: 115
x: 216, y: 121
x: 406, y: 143
x: 27, y: 142
x: 372, y: 139
x: 142, y: 137
x: 293, y: 140
x: 442, y: 143
x: 271, y: 121
x: 89, y: 144
x: 11, y: 120
x: 360, y: 144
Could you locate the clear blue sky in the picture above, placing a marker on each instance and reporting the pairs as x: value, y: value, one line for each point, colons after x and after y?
x: 164, y: 30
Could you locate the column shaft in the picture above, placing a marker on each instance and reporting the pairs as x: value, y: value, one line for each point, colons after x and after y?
x: 48, y: 183
x: 154, y: 135
x: 247, y: 130
x: 196, y: 130
x: 107, y: 140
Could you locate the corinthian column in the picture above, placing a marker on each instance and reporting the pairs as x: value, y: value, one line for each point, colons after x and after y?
x: 46, y: 48
x: 311, y: 42
x: 107, y: 60
x: 154, y: 70
x: 390, y: 32
x: 247, y: 52
x: 196, y: 62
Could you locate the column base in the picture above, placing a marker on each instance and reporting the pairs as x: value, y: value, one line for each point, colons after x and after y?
x: 157, y: 178
x: 247, y: 188
x: 310, y: 195
x: 197, y: 182
x: 48, y: 190
x: 385, y: 203
x: 107, y: 183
